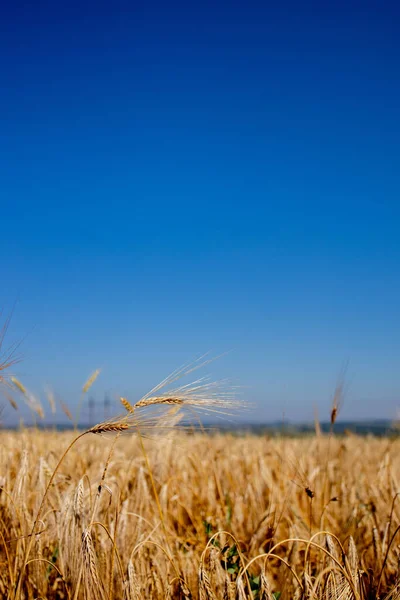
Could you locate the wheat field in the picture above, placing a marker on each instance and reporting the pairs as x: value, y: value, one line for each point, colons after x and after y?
x: 194, y: 515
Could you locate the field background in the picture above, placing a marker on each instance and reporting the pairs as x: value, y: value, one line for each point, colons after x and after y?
x: 201, y: 516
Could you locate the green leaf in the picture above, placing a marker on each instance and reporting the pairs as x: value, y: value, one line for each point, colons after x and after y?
x: 254, y: 582
x: 233, y: 551
x: 208, y: 528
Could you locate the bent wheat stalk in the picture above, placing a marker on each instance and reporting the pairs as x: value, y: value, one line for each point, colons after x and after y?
x: 102, y: 428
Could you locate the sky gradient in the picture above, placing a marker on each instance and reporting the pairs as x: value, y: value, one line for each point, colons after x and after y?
x: 177, y: 179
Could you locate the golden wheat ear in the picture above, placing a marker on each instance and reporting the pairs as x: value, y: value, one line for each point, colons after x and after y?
x: 127, y: 405
x: 109, y: 426
x: 10, y: 400
x: 90, y: 381
x: 18, y: 384
x: 30, y: 399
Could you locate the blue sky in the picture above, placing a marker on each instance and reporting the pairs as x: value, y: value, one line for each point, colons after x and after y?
x: 183, y: 178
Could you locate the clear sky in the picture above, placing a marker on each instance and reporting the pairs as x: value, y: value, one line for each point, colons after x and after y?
x: 178, y: 178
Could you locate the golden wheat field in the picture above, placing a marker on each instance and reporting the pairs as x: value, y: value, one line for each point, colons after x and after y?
x: 191, y: 515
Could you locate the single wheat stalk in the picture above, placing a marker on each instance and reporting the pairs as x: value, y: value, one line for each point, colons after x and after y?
x: 241, y: 592
x: 31, y: 400
x: 90, y: 381
x: 51, y: 400
x: 265, y: 590
x: 205, y: 588
x: 18, y: 384
x: 90, y: 565
x: 66, y: 411
x: 10, y: 400
x: 133, y: 584
x: 85, y: 388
